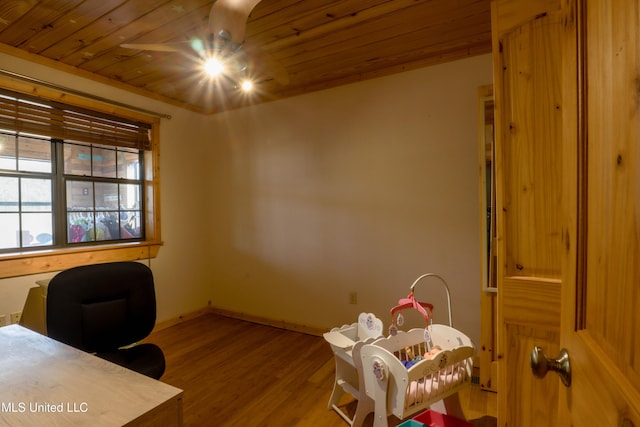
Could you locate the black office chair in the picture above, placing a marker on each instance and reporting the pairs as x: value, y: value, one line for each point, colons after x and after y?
x: 102, y: 308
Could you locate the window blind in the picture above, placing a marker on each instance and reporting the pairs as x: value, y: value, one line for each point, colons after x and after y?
x: 34, y: 115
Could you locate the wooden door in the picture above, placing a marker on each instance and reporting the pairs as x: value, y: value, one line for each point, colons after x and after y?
x: 585, y: 159
x: 601, y: 320
x: 529, y: 125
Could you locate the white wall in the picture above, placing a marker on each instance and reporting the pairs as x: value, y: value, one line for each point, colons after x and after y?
x: 360, y: 188
x: 288, y: 207
x: 180, y: 270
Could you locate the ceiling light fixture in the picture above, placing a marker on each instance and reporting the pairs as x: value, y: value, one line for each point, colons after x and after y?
x: 246, y: 86
x: 224, y: 60
x: 213, y: 67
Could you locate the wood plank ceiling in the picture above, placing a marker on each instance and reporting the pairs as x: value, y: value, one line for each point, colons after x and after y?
x: 319, y: 43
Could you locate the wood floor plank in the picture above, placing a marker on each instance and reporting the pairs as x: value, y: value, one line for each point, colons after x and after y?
x: 236, y: 373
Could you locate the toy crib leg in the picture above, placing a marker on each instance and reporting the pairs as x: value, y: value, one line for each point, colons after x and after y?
x: 380, y: 405
x: 365, y: 407
x: 345, y: 382
x: 336, y: 395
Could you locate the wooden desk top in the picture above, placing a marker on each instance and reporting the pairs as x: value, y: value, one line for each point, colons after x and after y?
x: 47, y: 383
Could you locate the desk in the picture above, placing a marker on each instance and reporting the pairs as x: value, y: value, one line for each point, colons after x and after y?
x: 47, y: 383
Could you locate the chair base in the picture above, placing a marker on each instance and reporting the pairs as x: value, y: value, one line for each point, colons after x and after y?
x: 146, y: 359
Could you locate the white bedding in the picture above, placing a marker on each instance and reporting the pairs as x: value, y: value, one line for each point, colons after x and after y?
x: 422, y: 389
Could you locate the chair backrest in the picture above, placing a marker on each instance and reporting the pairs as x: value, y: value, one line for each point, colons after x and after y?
x: 101, y: 307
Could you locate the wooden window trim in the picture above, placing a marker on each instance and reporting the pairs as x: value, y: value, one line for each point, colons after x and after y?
x: 34, y: 262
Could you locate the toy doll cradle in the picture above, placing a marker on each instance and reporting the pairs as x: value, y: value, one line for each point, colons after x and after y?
x: 346, y: 342
x: 401, y: 391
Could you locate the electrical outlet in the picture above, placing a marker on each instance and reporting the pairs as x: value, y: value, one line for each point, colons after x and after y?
x: 15, y: 317
x: 353, y: 297
x: 3, y: 320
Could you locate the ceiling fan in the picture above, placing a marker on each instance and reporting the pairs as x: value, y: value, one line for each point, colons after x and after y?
x: 226, y: 51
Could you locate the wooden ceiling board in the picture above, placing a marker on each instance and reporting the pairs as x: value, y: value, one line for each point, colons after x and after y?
x: 317, y: 18
x: 41, y: 14
x: 57, y: 28
x: 320, y: 43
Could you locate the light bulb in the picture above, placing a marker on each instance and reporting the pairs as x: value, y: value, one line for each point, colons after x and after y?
x: 213, y: 67
x: 247, y: 85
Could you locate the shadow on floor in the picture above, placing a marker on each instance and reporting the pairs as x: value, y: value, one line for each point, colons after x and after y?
x: 485, y: 421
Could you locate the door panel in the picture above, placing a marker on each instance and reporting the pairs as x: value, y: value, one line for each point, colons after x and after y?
x: 536, y: 399
x: 590, y: 49
x: 531, y: 148
x: 529, y: 126
x: 613, y: 265
x: 601, y: 325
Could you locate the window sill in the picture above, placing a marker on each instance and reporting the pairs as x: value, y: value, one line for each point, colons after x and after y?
x: 26, y: 263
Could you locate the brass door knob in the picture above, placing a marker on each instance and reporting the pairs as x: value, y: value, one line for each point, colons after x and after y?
x: 541, y: 364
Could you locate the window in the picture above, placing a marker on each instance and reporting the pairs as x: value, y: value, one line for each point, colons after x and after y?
x: 103, y: 192
x: 70, y: 176
x: 26, y: 191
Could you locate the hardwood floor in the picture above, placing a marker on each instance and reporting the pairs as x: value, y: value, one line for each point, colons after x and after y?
x: 241, y: 374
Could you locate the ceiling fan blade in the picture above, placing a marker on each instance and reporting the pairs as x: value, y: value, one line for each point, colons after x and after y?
x: 231, y: 16
x: 271, y: 66
x: 155, y: 47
